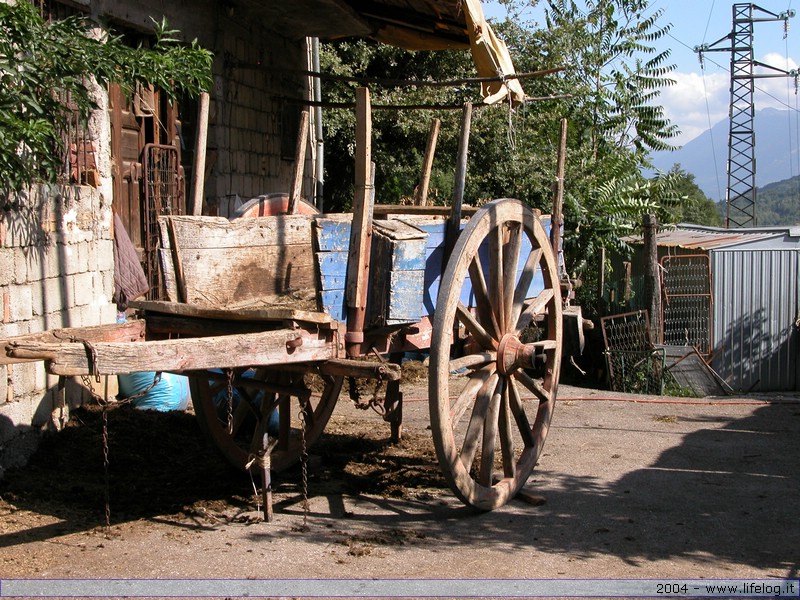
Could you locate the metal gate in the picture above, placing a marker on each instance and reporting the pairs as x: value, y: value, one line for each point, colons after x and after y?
x: 686, y: 310
x: 163, y: 195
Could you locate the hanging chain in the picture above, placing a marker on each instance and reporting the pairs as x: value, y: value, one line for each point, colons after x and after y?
x: 304, y: 459
x: 103, y: 402
x: 229, y: 374
x: 375, y: 402
x: 106, y: 477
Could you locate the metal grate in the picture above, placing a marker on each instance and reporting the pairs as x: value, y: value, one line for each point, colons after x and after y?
x: 686, y: 311
x: 163, y: 196
x: 634, y: 364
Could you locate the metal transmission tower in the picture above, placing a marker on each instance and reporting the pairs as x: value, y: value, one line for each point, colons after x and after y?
x: 741, y: 191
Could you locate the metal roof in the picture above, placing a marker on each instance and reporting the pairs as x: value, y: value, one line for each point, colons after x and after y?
x: 693, y: 237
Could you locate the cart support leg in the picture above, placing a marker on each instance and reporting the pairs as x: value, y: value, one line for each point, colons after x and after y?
x: 394, y: 402
x: 266, y: 479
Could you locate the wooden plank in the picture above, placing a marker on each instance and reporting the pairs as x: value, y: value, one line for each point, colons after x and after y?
x: 384, y: 210
x: 247, y: 349
x: 359, y: 368
x: 218, y: 277
x: 333, y: 304
x: 160, y: 326
x: 218, y: 232
x: 167, y: 260
x: 332, y: 270
x: 130, y: 331
x: 296, y: 190
x: 333, y: 233
x: 454, y: 221
x: 262, y: 312
x: 427, y: 163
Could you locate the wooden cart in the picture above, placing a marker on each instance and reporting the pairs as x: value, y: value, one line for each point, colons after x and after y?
x: 269, y: 316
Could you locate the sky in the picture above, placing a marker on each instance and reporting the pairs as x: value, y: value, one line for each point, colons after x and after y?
x: 701, y: 95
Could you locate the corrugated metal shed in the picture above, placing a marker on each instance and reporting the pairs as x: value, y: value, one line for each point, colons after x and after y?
x: 754, y: 302
x: 695, y: 237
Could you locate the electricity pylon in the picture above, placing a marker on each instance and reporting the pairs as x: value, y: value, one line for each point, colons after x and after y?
x: 741, y: 191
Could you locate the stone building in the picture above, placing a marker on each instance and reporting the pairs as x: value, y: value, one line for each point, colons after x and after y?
x: 137, y: 159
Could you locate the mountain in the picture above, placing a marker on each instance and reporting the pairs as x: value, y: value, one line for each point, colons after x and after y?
x: 776, y: 153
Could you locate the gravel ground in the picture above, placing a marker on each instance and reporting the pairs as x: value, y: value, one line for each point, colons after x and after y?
x: 629, y: 487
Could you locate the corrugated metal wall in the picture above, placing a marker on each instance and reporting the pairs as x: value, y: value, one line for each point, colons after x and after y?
x: 755, y: 339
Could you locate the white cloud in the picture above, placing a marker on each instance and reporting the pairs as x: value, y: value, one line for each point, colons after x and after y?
x: 698, y: 101
x: 695, y: 101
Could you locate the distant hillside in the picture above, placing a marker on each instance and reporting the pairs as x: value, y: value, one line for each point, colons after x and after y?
x: 776, y: 153
x: 779, y: 203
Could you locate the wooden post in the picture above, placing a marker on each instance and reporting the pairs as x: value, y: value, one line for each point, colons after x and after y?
x: 361, y: 228
x: 557, y: 218
x: 199, y: 168
x: 266, y: 478
x: 454, y: 222
x: 427, y: 163
x: 601, y: 274
x: 652, y: 279
x: 299, y: 164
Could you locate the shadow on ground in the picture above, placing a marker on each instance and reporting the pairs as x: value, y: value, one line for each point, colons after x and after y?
x: 724, y: 492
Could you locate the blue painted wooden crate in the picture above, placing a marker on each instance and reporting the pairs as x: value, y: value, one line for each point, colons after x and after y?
x: 332, y: 236
x: 434, y: 253
x: 406, y: 261
x: 397, y: 265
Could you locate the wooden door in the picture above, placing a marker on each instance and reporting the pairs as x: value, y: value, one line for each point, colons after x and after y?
x: 146, y: 170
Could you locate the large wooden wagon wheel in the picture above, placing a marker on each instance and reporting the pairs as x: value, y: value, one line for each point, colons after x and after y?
x: 291, y: 407
x: 498, y: 321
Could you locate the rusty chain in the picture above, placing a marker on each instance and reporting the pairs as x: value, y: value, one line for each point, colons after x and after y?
x: 304, y: 460
x: 229, y: 376
x: 376, y: 402
x: 104, y: 403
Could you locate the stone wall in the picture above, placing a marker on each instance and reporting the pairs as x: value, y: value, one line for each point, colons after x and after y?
x: 56, y: 270
x: 56, y: 248
x: 254, y: 117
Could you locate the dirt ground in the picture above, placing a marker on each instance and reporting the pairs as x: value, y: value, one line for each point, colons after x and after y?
x: 632, y: 487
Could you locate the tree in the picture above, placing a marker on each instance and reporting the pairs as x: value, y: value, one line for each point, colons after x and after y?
x: 608, y: 90
x: 696, y: 207
x: 44, y: 70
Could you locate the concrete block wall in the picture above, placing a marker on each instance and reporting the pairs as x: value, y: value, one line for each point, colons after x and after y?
x: 56, y: 270
x: 249, y: 105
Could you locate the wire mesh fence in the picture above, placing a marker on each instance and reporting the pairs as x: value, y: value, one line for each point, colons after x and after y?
x: 634, y: 364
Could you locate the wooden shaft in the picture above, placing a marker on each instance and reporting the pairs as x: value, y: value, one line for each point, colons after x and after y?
x: 299, y: 164
x: 652, y: 280
x: 557, y: 220
x: 454, y: 222
x: 361, y: 228
x: 199, y: 169
x: 427, y: 163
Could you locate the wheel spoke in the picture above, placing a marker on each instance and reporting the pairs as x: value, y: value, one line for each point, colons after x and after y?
x: 511, y: 253
x: 472, y: 361
x: 489, y: 444
x: 535, y: 307
x: 483, y: 303
x: 240, y: 413
x: 474, y: 327
x: 477, y: 419
x: 520, y: 417
x: 524, y: 284
x: 496, y: 286
x: 467, y: 395
x: 506, y: 439
x: 534, y: 386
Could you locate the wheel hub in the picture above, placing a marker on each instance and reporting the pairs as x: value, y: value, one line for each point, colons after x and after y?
x: 512, y: 354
